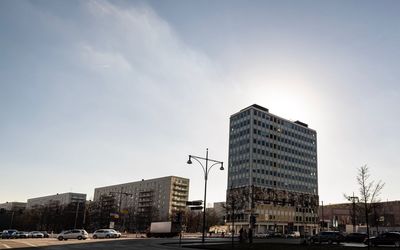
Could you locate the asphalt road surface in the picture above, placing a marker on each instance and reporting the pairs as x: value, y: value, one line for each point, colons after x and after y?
x: 98, y: 244
x: 123, y: 243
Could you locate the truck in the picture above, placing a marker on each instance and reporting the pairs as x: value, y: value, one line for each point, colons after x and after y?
x: 164, y: 229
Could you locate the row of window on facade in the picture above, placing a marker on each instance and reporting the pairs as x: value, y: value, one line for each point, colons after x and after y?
x: 291, y: 149
x: 297, y: 174
x: 280, y: 169
x: 263, y: 115
x: 284, y: 185
x: 310, y: 146
x: 281, y: 122
x: 287, y: 176
x: 310, y: 170
x: 271, y: 183
x: 287, y: 132
x: 309, y: 163
x: 299, y: 144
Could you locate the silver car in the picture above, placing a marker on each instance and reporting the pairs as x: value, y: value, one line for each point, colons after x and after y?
x: 79, y: 234
x: 36, y: 234
x: 104, y: 233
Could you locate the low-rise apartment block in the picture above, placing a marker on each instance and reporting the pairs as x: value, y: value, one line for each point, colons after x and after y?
x: 59, y: 199
x: 166, y: 195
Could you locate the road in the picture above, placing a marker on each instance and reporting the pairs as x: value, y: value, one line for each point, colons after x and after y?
x: 99, y: 244
x: 123, y: 243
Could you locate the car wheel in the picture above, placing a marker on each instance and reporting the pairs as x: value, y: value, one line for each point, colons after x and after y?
x: 79, y: 237
x: 397, y: 244
x: 107, y: 236
x: 329, y: 242
x: 60, y: 238
x: 94, y: 236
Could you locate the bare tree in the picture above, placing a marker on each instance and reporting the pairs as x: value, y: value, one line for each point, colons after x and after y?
x: 369, y: 192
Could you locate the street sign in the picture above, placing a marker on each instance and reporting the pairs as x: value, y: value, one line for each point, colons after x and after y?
x: 114, y: 215
x: 194, y: 203
x: 196, y: 208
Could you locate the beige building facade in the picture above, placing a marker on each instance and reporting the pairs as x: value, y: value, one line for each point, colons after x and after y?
x: 166, y: 195
x: 62, y: 199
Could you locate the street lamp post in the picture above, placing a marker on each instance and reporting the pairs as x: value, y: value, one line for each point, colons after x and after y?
x: 353, y: 199
x: 76, y: 213
x: 206, y: 171
x: 120, y: 193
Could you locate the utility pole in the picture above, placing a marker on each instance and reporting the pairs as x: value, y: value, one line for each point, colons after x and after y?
x: 12, y: 218
x: 76, y: 214
x: 120, y: 193
x: 322, y: 215
x: 353, y: 199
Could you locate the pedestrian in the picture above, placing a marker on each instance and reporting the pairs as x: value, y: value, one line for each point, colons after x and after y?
x: 250, y: 235
x: 241, y: 235
x: 245, y: 235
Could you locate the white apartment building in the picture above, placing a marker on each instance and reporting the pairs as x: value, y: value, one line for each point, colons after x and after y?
x: 59, y: 199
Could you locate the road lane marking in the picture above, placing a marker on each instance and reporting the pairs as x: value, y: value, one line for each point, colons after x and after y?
x: 6, y: 246
x: 29, y: 244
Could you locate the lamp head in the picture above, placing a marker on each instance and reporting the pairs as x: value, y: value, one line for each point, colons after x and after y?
x: 190, y: 160
x: 222, y: 166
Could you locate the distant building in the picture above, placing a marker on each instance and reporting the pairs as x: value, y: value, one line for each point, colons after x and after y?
x: 385, y: 216
x: 272, y: 172
x: 12, y: 206
x: 220, y: 211
x: 166, y: 195
x: 59, y: 199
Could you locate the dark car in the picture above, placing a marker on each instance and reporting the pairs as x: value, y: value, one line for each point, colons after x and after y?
x: 391, y: 238
x: 8, y: 234
x: 356, y: 237
x: 45, y: 234
x: 328, y: 237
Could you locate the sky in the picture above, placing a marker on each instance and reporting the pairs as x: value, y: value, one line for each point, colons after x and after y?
x: 95, y: 93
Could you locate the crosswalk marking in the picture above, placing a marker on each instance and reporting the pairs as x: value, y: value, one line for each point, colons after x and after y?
x: 29, y: 244
x: 6, y: 246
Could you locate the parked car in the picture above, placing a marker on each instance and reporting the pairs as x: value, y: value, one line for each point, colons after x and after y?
x: 391, y: 238
x: 79, y: 234
x: 261, y: 235
x: 275, y: 235
x: 8, y: 234
x: 294, y: 234
x: 356, y: 237
x: 104, y: 233
x: 117, y: 234
x: 20, y: 234
x: 327, y: 236
x: 45, y: 234
x: 36, y: 234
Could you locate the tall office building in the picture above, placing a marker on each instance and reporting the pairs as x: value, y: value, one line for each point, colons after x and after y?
x: 272, y: 172
x: 166, y: 195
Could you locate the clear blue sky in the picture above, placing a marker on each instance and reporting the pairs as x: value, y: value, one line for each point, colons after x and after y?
x: 95, y: 93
